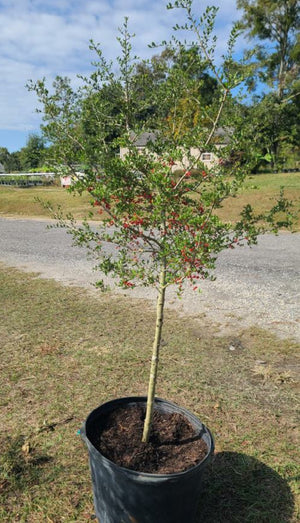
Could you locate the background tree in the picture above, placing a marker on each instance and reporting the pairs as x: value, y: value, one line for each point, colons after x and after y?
x: 276, y: 22
x: 32, y: 155
x: 269, y: 132
x: 272, y: 120
x: 151, y: 76
x: 10, y: 161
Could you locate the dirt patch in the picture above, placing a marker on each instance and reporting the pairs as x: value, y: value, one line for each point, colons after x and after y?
x: 174, y: 445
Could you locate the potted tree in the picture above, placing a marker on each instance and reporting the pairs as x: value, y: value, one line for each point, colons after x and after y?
x: 159, y: 205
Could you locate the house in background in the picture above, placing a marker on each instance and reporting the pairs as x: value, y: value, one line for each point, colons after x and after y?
x: 209, y: 159
x: 2, y: 170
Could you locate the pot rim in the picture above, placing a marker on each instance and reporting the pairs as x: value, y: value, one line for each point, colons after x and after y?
x: 143, y: 399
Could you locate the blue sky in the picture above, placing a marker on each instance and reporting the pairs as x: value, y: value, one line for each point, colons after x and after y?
x: 45, y: 38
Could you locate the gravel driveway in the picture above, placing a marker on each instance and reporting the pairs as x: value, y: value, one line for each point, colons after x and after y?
x: 258, y: 286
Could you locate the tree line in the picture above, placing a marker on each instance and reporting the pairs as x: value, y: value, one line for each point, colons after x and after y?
x: 267, y: 123
x: 32, y: 156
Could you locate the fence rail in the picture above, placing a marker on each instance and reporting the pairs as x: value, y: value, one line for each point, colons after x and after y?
x: 26, y: 179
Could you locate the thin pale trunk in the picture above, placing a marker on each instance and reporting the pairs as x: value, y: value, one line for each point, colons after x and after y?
x: 281, y: 79
x: 155, y: 353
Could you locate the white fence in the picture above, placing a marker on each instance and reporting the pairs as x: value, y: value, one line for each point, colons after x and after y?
x: 26, y: 179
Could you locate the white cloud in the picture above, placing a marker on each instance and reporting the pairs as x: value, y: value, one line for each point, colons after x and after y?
x: 49, y: 37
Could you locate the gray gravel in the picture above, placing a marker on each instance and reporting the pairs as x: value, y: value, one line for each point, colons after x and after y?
x: 258, y: 286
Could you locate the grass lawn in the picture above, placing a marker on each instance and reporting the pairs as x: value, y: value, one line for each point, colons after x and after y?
x: 64, y: 351
x: 260, y: 190
x: 21, y: 202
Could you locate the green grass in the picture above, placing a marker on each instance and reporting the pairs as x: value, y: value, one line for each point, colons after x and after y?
x: 260, y: 190
x: 21, y: 202
x: 64, y: 351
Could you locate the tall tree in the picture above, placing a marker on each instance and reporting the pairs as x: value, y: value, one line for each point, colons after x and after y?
x: 272, y: 122
x: 269, y: 132
x: 10, y: 161
x: 151, y: 75
x: 276, y: 21
x: 4, y: 157
x: 32, y: 155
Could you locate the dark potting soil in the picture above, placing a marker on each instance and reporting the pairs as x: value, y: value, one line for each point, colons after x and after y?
x: 174, y: 445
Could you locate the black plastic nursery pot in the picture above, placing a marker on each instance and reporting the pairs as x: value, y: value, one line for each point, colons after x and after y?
x: 127, y: 496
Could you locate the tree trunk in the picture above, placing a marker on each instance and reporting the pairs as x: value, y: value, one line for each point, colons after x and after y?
x: 155, y: 353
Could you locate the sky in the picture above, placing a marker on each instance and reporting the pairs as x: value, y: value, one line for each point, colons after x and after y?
x: 46, y: 38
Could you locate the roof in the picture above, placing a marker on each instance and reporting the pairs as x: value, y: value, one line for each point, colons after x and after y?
x: 142, y: 139
x: 222, y: 135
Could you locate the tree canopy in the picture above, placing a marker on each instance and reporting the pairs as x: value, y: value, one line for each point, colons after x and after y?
x: 272, y: 119
x: 277, y: 23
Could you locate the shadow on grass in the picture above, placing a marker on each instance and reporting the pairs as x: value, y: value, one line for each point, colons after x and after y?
x: 240, y: 489
x: 20, y: 467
